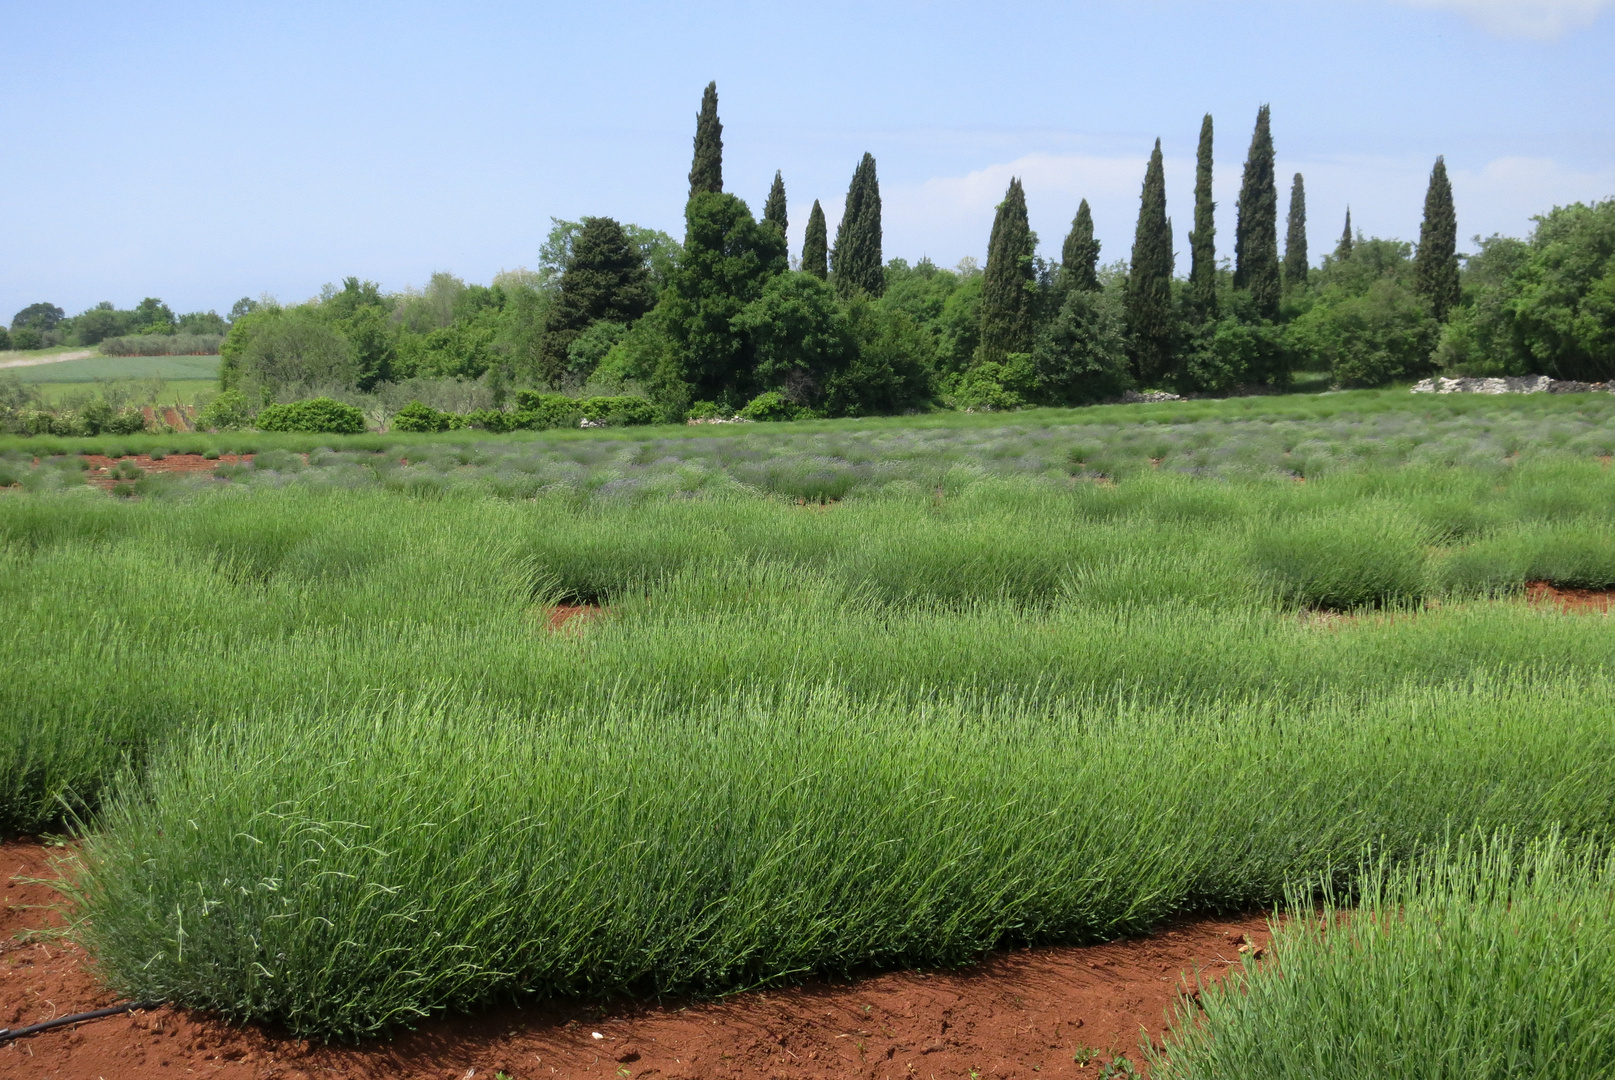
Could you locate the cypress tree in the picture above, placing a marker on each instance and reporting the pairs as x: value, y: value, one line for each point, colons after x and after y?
x: 774, y: 208
x: 706, y: 171
x: 1343, y: 249
x: 1256, y: 236
x: 1295, y: 236
x: 1203, y: 240
x: 816, y: 245
x: 1007, y: 284
x: 1079, y: 257
x: 856, y: 261
x: 1149, y: 281
x: 1435, y: 265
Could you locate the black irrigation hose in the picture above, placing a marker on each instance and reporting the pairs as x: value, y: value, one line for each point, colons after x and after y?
x: 7, y: 1034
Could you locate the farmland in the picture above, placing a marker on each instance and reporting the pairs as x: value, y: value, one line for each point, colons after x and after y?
x: 859, y: 695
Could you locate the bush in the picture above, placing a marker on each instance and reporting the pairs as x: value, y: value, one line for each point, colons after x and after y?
x: 227, y: 412
x: 27, y: 338
x: 163, y: 345
x: 418, y: 417
x: 769, y: 406
x: 707, y: 410
x: 496, y: 420
x: 619, y: 411
x: 320, y: 416
x: 538, y: 411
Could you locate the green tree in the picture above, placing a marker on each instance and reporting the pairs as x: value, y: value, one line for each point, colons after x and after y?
x: 774, y: 208
x: 355, y: 294
x: 1080, y: 355
x: 1008, y: 288
x: 1203, y: 240
x: 605, y: 278
x: 1256, y: 235
x: 815, y: 245
x: 799, y: 337
x: 728, y: 258
x: 1343, y: 247
x: 39, y: 316
x: 1150, y: 322
x: 373, y: 341
x: 152, y: 316
x: 1079, y: 255
x: 1562, y: 296
x: 856, y: 263
x: 1435, y: 266
x: 891, y: 367
x: 1295, y: 236
x: 706, y: 170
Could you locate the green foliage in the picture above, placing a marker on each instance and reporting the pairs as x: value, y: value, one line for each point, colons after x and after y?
x: 1296, y: 266
x: 152, y: 316
x: 1151, y: 320
x: 230, y: 411
x: 41, y: 317
x: 815, y: 245
x: 27, y: 337
x: 1008, y: 289
x: 799, y: 337
x: 1369, y: 339
x: 1238, y: 349
x: 605, y: 279
x: 1435, y: 268
x: 538, y: 411
x: 1563, y: 296
x: 418, y: 417
x: 855, y: 261
x: 774, y: 208
x: 891, y: 368
x: 279, y: 351
x: 1203, y: 237
x: 163, y: 345
x: 1079, y: 255
x: 706, y: 168
x: 728, y: 259
x: 769, y: 405
x: 1256, y: 239
x: 317, y: 415
x: 619, y: 411
x: 1081, y: 353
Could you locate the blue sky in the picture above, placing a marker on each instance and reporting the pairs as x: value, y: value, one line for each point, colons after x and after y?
x: 203, y: 152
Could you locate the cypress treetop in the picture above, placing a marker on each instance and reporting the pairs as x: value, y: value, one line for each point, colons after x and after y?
x: 1256, y: 236
x: 856, y: 262
x: 1203, y: 240
x: 774, y: 208
x: 1150, y: 321
x: 1007, y: 285
x: 1295, y: 236
x: 1079, y: 256
x: 706, y: 171
x: 816, y: 245
x: 1435, y: 264
x: 1343, y: 249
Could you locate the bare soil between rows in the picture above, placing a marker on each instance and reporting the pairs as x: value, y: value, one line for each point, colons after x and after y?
x: 1024, y: 1013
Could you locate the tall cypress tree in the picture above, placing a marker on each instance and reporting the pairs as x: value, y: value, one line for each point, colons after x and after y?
x: 816, y: 245
x: 1006, y: 286
x: 1343, y: 249
x: 1079, y: 256
x: 1435, y: 266
x: 774, y: 208
x: 1256, y: 237
x: 1203, y: 240
x: 1295, y: 236
x: 706, y: 171
x: 856, y: 261
x: 1149, y: 281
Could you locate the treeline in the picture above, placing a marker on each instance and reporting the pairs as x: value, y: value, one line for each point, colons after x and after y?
x: 150, y: 328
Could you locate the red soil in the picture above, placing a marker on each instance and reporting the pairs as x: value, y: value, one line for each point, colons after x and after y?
x: 101, y: 465
x: 1579, y: 600
x: 1018, y: 1014
x: 578, y: 615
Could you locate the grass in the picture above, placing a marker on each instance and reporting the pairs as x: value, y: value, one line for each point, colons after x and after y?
x: 89, y: 369
x: 179, y: 391
x: 1482, y: 959
x: 335, y: 772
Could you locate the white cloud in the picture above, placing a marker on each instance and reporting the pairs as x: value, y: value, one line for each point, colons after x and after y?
x: 1544, y: 20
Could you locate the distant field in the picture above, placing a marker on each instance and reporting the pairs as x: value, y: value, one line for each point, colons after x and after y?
x: 91, y: 368
x: 184, y: 391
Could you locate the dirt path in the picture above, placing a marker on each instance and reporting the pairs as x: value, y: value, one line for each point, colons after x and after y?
x: 1024, y: 1014
x: 35, y: 361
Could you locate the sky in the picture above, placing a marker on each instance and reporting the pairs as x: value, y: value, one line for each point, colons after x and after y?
x: 204, y: 152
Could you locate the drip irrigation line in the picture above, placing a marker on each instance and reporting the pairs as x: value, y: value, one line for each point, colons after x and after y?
x: 7, y: 1034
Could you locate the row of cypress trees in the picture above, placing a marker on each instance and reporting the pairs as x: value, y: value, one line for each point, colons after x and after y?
x: 1155, y: 319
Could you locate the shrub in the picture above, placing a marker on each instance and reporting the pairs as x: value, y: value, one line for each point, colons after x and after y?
x: 321, y: 416
x: 496, y: 420
x: 163, y: 345
x: 27, y: 338
x: 707, y: 410
x: 537, y: 410
x: 227, y: 412
x: 769, y: 406
x: 418, y: 417
x: 619, y: 411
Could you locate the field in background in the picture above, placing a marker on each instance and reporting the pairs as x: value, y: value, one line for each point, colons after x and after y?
x: 91, y: 368
x: 864, y: 693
